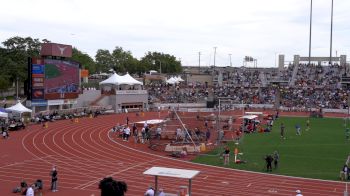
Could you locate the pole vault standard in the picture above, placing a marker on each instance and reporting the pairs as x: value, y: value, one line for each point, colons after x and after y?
x: 186, y: 131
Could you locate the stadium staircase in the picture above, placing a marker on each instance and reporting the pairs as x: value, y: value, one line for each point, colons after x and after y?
x: 294, y: 75
x: 263, y: 79
x: 95, y: 102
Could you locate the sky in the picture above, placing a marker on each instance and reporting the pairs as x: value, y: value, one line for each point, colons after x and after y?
x: 183, y: 28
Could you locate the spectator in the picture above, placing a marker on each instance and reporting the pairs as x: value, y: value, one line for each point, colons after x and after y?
x: 276, y: 158
x: 268, y: 160
x: 184, y: 152
x: 111, y: 187
x: 207, y: 135
x: 344, y: 173
x: 226, y: 155
x: 161, y: 192
x: 149, y: 192
x: 158, y: 132
x: 298, y: 193
x: 54, y: 179
x: 127, y: 133
x: 30, y: 190
x: 135, y: 133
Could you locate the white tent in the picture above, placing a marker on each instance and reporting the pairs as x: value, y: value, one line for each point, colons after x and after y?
x: 113, y: 79
x: 18, y: 108
x: 178, y: 78
x: 172, y: 80
x: 116, y: 79
x: 127, y: 79
x: 4, y: 115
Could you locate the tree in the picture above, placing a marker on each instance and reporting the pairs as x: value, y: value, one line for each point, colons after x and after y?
x: 156, y: 60
x: 111, y: 187
x: 104, y: 60
x: 124, y: 61
x: 84, y: 59
x: 14, y: 63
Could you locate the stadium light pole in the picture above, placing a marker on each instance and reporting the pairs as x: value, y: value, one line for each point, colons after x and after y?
x: 199, y: 62
x: 310, y: 33
x: 214, y: 57
x: 330, y: 52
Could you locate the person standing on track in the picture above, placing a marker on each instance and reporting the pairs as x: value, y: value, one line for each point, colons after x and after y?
x: 54, y: 179
x: 135, y: 133
x: 127, y: 133
x: 159, y: 132
x: 127, y: 121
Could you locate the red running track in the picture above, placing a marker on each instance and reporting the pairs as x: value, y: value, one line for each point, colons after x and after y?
x: 85, y: 152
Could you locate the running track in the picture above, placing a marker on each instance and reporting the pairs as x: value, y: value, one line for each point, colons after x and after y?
x: 85, y: 152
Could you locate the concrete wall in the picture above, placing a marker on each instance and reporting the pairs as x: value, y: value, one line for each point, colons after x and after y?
x: 280, y: 61
x: 87, y: 97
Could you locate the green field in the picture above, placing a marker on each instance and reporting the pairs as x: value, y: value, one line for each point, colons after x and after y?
x: 51, y: 71
x: 318, y: 153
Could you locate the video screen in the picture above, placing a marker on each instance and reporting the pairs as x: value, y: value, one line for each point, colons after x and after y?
x: 61, y: 79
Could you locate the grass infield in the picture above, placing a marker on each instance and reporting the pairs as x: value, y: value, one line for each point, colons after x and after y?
x: 51, y: 71
x: 318, y: 153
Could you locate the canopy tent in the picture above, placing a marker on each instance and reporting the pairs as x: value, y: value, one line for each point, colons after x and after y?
x: 178, y: 78
x: 18, y: 108
x: 127, y: 79
x: 116, y: 79
x: 113, y: 79
x: 172, y: 80
x: 4, y: 115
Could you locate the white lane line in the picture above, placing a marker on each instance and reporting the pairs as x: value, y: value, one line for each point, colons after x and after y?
x: 112, y: 174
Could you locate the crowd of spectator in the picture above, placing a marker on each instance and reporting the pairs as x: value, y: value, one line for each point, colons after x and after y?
x: 243, y: 77
x: 305, y: 86
x: 177, y: 94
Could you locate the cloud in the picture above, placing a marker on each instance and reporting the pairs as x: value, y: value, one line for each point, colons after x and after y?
x: 256, y: 28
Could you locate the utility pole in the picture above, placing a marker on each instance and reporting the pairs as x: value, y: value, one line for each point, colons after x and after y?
x: 330, y: 52
x: 230, y: 60
x: 214, y: 56
x: 16, y: 87
x: 310, y: 34
x: 199, y: 62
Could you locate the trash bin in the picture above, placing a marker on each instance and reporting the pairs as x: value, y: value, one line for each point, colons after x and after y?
x: 183, y: 191
x: 202, y: 147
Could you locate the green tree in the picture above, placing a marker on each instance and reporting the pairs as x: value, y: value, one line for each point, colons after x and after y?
x: 4, y: 72
x: 84, y: 59
x: 104, y: 60
x: 15, y: 57
x: 124, y: 61
x: 156, y: 61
